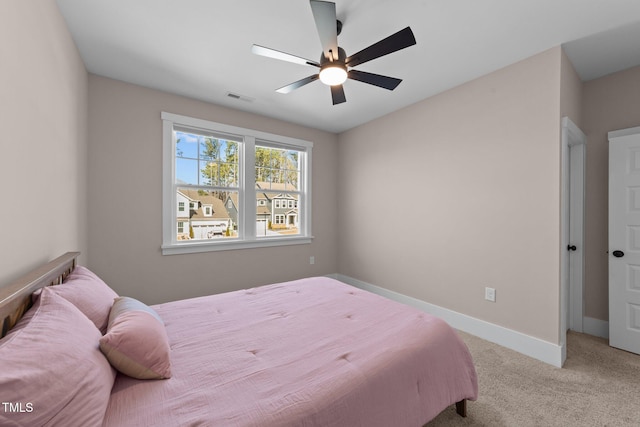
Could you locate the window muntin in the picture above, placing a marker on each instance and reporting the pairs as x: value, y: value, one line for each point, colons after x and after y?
x: 245, y: 171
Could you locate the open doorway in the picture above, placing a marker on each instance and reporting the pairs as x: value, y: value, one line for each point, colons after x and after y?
x: 572, y: 229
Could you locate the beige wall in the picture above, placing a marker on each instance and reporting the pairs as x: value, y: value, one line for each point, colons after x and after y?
x: 609, y: 103
x: 570, y: 91
x: 125, y: 201
x: 461, y: 191
x: 43, y: 104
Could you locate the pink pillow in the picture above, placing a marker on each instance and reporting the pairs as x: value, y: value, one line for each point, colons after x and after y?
x: 136, y: 342
x: 52, y: 370
x: 90, y: 294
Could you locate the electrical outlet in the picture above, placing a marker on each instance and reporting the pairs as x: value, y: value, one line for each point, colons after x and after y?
x: 312, y: 260
x: 490, y: 294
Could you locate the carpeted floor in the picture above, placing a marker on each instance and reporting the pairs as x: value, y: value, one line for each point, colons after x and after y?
x: 598, y: 386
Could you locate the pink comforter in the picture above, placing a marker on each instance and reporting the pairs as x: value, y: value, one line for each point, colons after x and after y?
x: 312, y: 352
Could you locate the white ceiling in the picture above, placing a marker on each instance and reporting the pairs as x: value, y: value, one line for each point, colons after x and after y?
x: 202, y: 48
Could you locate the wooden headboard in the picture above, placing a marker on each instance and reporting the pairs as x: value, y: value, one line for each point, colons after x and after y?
x: 15, y: 299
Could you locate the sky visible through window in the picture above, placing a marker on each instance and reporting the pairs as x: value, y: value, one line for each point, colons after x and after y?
x: 206, y: 161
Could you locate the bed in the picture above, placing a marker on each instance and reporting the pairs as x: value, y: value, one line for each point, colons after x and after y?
x: 311, y: 352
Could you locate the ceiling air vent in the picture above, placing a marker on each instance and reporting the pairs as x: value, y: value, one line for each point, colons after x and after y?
x: 239, y: 97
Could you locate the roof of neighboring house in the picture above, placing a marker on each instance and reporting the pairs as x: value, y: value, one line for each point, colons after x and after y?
x: 273, y: 190
x: 217, y: 205
x: 283, y: 196
x: 277, y: 186
x: 263, y: 210
x: 234, y: 198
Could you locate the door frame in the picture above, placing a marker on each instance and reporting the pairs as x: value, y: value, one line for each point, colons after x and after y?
x: 572, y: 207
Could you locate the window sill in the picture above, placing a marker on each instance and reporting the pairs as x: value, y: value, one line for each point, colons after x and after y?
x: 196, y: 247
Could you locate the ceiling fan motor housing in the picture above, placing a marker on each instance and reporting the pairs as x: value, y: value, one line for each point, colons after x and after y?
x: 342, y: 57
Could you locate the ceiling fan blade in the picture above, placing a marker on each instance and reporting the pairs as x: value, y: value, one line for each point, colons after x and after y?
x: 324, y: 13
x: 400, y: 40
x: 299, y: 83
x: 337, y: 94
x: 374, y: 79
x: 276, y: 54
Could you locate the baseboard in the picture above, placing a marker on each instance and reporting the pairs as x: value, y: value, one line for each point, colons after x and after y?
x: 596, y: 327
x: 533, y: 347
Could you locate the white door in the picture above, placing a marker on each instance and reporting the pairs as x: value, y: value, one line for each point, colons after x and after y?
x: 624, y: 239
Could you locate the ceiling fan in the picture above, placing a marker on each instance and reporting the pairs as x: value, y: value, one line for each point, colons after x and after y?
x: 334, y: 63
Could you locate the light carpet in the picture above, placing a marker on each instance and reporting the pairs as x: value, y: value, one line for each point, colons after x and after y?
x: 598, y: 386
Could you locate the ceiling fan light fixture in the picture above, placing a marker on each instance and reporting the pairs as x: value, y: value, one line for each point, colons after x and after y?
x: 333, y: 74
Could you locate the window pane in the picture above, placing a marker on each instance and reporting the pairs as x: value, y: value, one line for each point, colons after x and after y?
x: 209, y: 148
x: 277, y: 174
x: 186, y: 171
x: 278, y: 216
x: 211, y: 214
x: 206, y: 160
x: 209, y: 173
x: 186, y: 145
x: 291, y: 180
x: 277, y: 166
x: 220, y: 162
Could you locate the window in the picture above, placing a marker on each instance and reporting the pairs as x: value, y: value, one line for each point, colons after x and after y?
x: 233, y: 174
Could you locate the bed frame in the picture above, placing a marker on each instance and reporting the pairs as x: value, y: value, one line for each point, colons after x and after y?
x: 15, y: 299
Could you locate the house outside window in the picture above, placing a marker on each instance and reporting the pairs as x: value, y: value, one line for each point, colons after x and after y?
x: 222, y: 171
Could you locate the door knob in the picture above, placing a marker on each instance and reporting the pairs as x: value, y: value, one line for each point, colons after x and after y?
x: 618, y: 254
x: 571, y: 247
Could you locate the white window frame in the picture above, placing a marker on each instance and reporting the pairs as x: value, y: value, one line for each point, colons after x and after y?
x: 247, y: 237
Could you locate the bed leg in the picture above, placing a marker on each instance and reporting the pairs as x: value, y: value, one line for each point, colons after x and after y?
x: 461, y: 408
